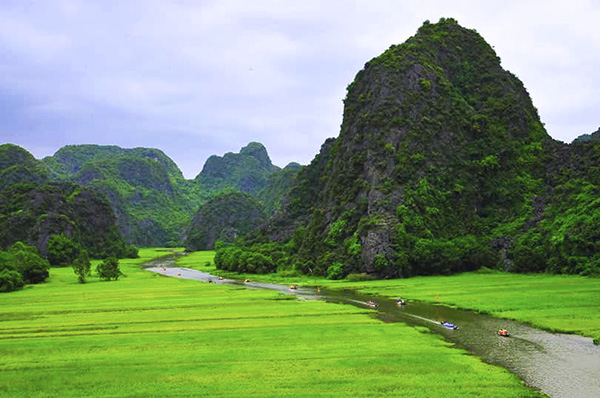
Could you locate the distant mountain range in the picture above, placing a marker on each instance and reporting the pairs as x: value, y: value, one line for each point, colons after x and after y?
x: 151, y: 199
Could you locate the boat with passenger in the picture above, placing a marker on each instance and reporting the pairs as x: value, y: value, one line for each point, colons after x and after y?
x: 372, y: 304
x: 449, y: 325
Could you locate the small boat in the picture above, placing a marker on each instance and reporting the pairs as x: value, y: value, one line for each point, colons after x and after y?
x: 246, y: 280
x: 372, y: 304
x: 449, y: 325
x: 400, y: 302
x: 221, y: 278
x: 293, y: 287
x: 503, y: 333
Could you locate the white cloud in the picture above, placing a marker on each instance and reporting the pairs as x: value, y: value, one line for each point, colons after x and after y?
x: 221, y: 73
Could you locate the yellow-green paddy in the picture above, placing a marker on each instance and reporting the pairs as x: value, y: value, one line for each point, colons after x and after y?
x: 151, y: 336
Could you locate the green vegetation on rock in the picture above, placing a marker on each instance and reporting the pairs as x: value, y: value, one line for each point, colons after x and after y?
x: 224, y: 218
x: 441, y: 166
x: 246, y: 171
x: 278, y: 185
x: 33, y: 210
x: 152, y: 200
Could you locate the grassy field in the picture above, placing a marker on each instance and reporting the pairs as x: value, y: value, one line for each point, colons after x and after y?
x: 563, y: 303
x: 146, y: 335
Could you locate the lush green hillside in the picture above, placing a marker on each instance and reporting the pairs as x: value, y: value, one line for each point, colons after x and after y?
x: 278, y: 185
x: 152, y: 200
x: 32, y: 209
x: 246, y: 171
x: 19, y: 166
x: 442, y: 165
x: 563, y: 235
x: 70, y: 159
x: 224, y: 217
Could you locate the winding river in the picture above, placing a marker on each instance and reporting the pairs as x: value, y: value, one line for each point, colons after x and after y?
x: 557, y: 364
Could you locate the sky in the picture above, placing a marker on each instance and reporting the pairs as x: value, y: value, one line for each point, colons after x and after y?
x: 200, y: 78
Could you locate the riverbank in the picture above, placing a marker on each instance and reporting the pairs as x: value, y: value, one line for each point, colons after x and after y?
x: 560, y: 303
x: 152, y: 336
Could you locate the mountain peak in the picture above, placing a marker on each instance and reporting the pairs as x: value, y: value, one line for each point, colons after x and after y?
x: 11, y: 155
x: 246, y: 171
x: 258, y: 151
x: 437, y: 142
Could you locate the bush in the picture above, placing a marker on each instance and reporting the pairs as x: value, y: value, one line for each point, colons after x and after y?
x: 359, y: 277
x: 82, y: 266
x: 131, y: 252
x: 109, y: 269
x: 10, y: 280
x: 32, y: 267
x: 335, y: 271
x: 62, y: 250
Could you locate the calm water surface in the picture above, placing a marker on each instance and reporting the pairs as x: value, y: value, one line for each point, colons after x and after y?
x: 557, y: 364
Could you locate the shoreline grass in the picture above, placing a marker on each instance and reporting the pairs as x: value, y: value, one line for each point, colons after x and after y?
x: 147, y: 335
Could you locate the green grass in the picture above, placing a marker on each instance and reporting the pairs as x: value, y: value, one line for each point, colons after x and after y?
x: 560, y: 303
x: 146, y: 335
x: 564, y: 303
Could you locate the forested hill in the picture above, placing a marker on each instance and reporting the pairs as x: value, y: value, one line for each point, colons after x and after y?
x: 225, y: 217
x: 442, y: 165
x: 70, y: 159
x: 147, y: 191
x: 34, y: 209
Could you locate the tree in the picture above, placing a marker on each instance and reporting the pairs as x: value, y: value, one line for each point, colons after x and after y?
x: 131, y: 252
x: 82, y: 266
x: 109, y: 269
x: 32, y: 267
x: 10, y: 278
x: 62, y: 250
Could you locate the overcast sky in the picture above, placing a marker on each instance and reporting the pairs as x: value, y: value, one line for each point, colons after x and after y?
x: 196, y: 78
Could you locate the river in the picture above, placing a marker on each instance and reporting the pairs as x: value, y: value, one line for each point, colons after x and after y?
x: 560, y: 365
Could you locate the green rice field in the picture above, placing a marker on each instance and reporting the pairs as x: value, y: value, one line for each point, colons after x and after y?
x: 562, y: 303
x: 146, y: 335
